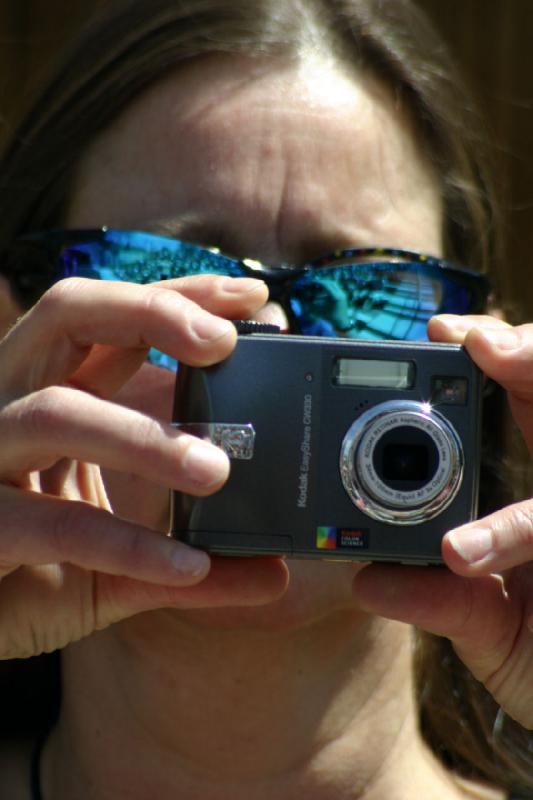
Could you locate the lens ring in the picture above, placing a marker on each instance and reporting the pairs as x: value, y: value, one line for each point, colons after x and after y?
x: 367, y: 489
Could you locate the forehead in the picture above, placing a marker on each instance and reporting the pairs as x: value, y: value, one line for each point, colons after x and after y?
x: 279, y: 161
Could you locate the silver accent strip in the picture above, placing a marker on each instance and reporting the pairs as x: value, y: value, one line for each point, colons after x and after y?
x: 236, y: 439
x: 370, y: 494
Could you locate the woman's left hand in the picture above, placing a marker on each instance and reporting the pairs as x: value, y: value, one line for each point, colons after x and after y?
x: 484, y: 602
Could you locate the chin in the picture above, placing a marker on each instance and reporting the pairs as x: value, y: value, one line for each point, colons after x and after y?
x: 316, y: 591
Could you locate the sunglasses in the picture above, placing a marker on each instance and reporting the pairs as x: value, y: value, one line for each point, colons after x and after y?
x: 361, y: 293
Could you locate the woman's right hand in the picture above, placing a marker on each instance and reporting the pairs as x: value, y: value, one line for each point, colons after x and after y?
x: 68, y: 565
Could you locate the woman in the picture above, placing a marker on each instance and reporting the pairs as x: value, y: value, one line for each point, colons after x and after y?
x: 276, y: 131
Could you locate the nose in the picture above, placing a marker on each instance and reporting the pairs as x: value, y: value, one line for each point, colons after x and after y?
x: 273, y: 314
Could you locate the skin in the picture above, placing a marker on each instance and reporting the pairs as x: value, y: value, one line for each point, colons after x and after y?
x: 234, y: 685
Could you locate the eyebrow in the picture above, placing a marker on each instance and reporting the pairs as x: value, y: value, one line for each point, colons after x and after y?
x: 197, y: 229
x: 190, y: 228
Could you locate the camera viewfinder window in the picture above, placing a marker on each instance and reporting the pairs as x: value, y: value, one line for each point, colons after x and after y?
x: 372, y: 373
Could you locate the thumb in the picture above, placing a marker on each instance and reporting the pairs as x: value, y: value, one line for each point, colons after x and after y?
x: 495, y: 543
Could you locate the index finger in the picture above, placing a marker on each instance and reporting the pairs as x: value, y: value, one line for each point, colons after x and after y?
x: 50, y: 342
x: 454, y: 328
x: 503, y: 352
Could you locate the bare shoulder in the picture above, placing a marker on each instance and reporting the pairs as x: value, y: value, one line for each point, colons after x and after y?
x: 15, y: 770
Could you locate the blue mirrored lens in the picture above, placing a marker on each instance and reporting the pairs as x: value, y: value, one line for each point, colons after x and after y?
x: 374, y: 301
x: 139, y: 257
x: 360, y: 300
x: 143, y: 258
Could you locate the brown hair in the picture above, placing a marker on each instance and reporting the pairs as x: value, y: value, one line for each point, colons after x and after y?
x: 116, y: 58
x: 119, y: 56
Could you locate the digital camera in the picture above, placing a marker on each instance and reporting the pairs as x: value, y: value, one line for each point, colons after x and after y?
x: 341, y: 449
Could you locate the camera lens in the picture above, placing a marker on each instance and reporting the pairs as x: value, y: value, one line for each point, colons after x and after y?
x: 406, y: 458
x: 401, y: 462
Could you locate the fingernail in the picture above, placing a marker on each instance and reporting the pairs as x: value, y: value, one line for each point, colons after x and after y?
x: 454, y: 321
x: 205, y: 464
x: 504, y: 338
x: 209, y: 327
x: 189, y: 562
x: 241, y: 285
x: 471, y: 544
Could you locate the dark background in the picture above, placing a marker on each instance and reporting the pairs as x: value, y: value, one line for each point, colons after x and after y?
x: 491, y: 39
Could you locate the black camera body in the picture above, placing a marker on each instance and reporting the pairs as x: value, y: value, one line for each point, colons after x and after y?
x: 342, y: 449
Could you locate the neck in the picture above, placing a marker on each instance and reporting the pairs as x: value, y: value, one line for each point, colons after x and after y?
x: 160, y: 708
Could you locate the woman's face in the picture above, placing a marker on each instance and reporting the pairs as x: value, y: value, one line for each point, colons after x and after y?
x: 270, y: 162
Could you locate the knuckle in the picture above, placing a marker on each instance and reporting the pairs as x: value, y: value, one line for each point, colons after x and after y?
x: 68, y: 525
x: 60, y: 294
x: 44, y: 411
x: 195, y: 283
x: 133, y: 550
x: 145, y: 442
x: 81, y: 536
x: 519, y: 522
x: 156, y: 305
x: 156, y: 300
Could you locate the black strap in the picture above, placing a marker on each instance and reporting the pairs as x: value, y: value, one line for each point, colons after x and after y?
x: 35, y: 768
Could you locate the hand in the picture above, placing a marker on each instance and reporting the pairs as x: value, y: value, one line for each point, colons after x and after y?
x: 68, y: 564
x: 484, y: 602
